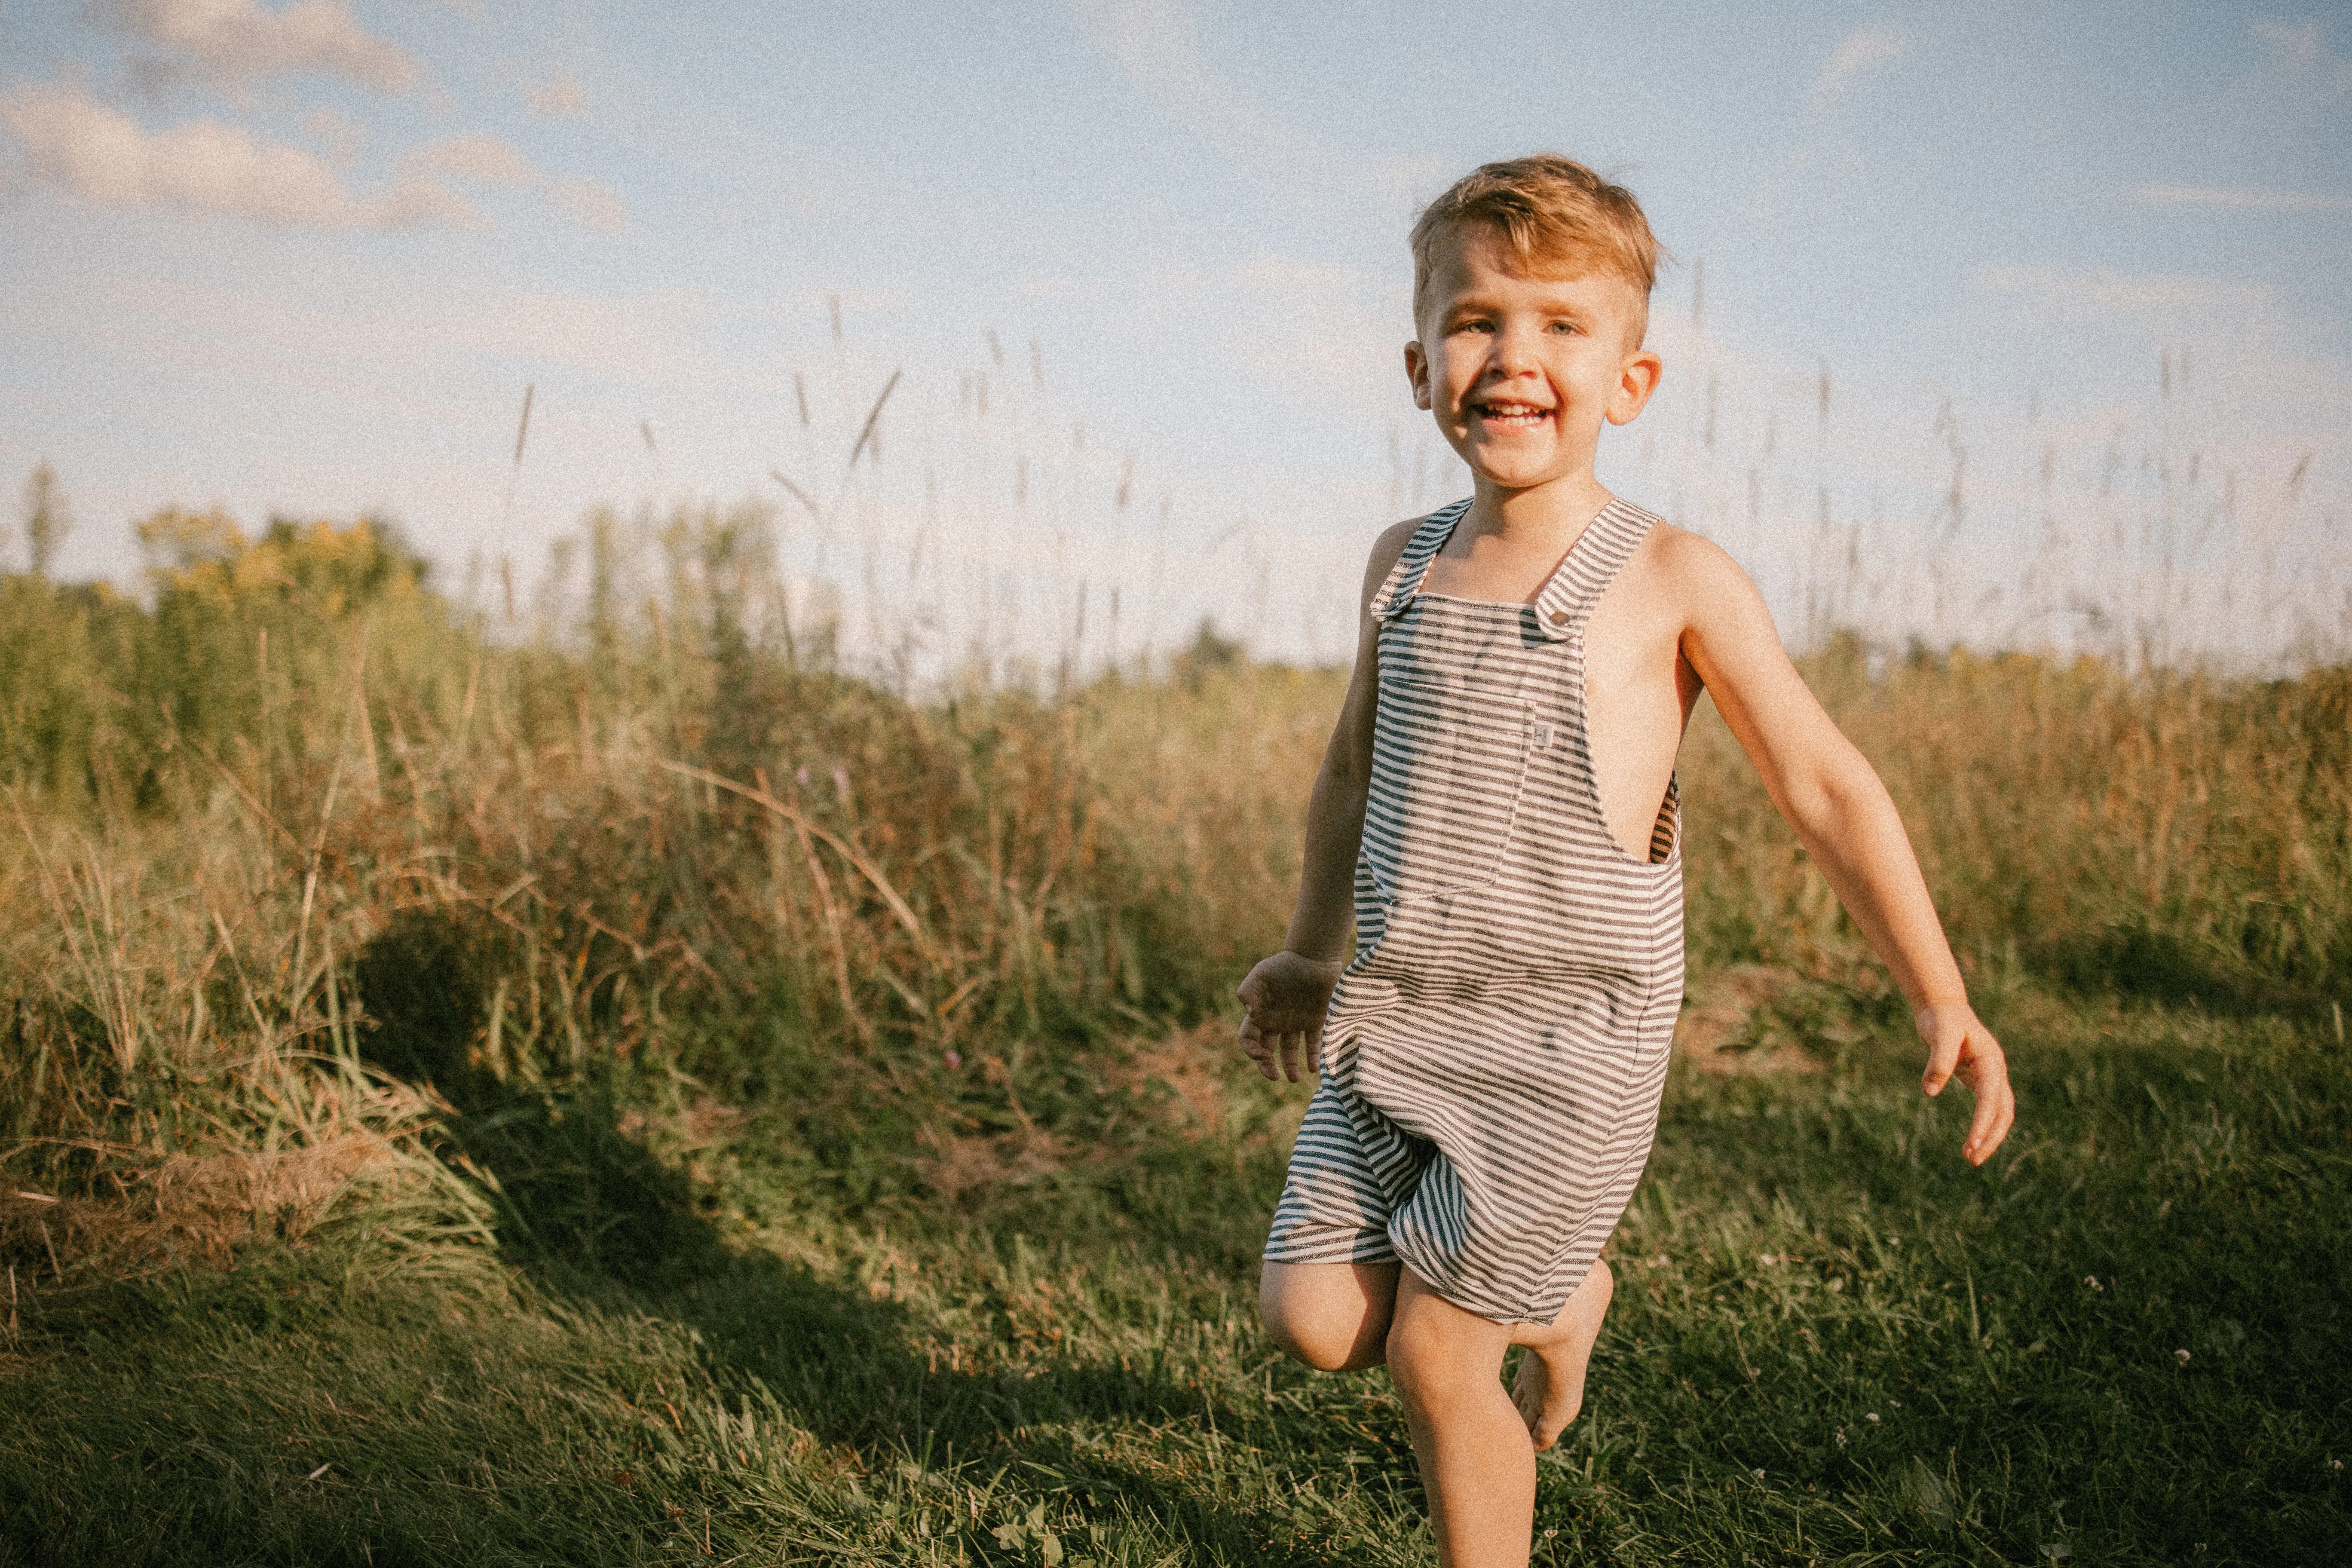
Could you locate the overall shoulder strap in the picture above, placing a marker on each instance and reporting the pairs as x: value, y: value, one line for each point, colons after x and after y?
x: 1591, y: 563
x: 1403, y: 580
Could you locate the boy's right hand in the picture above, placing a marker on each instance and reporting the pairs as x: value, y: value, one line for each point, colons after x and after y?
x: 1287, y: 995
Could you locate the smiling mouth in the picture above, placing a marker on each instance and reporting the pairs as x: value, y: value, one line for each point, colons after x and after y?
x: 1512, y: 416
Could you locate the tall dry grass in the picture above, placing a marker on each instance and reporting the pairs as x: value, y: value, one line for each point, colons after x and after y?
x: 302, y: 860
x: 2165, y: 829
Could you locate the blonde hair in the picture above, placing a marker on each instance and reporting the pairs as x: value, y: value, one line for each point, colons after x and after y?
x: 1552, y: 212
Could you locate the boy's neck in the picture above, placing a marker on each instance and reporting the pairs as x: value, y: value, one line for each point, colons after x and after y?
x: 1548, y: 515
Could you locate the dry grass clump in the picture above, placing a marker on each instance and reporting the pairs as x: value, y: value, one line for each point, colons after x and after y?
x: 198, y: 1208
x: 2165, y: 829
x: 503, y: 871
x: 182, y: 1074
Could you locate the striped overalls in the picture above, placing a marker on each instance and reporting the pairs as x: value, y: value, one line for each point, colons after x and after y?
x: 1493, y: 1055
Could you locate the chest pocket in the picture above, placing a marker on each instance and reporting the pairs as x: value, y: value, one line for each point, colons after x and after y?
x: 1451, y: 745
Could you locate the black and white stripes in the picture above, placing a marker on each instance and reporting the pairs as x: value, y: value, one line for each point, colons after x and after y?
x: 1494, y: 1054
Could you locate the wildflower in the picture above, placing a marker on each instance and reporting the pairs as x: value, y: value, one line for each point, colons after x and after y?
x: 2180, y: 1356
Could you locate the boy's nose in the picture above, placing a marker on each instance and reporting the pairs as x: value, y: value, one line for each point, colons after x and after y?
x: 1515, y: 351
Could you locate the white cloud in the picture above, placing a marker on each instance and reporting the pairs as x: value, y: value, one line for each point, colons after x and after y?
x: 481, y: 158
x: 2301, y: 48
x: 1864, y: 50
x: 237, y: 40
x: 2242, y: 200
x: 338, y: 133
x: 593, y: 204
x: 561, y: 95
x: 104, y: 156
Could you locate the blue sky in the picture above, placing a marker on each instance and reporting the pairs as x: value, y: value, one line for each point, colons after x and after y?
x: 2076, y: 278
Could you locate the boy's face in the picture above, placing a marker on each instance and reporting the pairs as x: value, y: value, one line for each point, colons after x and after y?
x: 1521, y: 371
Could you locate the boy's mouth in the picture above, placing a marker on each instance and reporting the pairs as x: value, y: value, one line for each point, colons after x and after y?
x: 1512, y: 416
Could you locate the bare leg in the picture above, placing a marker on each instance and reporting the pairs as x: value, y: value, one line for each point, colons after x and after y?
x: 1549, y: 1387
x: 1332, y: 1316
x: 1476, y: 1463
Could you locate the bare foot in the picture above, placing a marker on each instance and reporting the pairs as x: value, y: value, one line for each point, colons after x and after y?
x: 1549, y: 1387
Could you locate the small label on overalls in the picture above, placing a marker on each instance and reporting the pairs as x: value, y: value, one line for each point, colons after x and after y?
x: 1539, y: 736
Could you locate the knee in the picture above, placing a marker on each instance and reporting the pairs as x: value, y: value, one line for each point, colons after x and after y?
x: 1320, y: 1340
x: 1328, y: 1330
x: 1321, y: 1346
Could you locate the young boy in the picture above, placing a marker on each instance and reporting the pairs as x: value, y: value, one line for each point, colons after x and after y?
x: 1499, y: 797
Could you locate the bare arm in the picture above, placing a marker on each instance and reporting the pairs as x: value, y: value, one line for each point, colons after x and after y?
x: 1842, y: 815
x: 1286, y: 994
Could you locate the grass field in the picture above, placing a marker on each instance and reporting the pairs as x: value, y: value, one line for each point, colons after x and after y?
x: 652, y: 1096
x: 1831, y: 1343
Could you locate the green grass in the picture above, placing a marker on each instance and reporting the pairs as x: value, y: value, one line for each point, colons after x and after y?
x: 687, y: 1352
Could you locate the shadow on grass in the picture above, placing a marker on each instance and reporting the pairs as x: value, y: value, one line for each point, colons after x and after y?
x: 597, y: 1219
x: 2145, y: 965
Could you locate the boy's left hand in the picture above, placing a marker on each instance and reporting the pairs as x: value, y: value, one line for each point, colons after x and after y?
x: 1959, y: 1046
x: 1287, y: 995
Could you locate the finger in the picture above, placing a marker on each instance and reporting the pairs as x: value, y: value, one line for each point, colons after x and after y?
x: 1978, y: 1144
x: 1998, y: 1136
x: 1315, y: 1048
x: 1942, y: 1057
x: 2008, y: 1119
x: 1262, y: 1053
x: 1996, y: 1113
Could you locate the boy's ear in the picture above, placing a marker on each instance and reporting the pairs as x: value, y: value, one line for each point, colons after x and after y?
x: 1416, y: 370
x: 1636, y: 380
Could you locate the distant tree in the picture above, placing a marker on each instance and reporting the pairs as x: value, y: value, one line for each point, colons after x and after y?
x: 47, y: 520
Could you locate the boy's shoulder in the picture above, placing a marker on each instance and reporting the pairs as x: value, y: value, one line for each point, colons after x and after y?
x: 1687, y: 567
x: 1686, y: 585
x: 1385, y: 551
